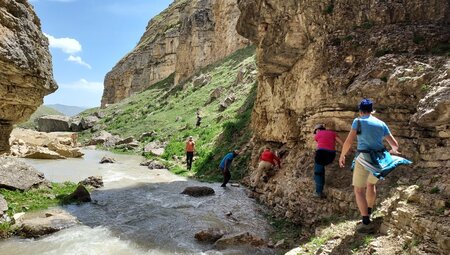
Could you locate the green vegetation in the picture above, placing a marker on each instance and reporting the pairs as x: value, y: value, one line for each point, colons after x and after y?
x: 425, y: 87
x: 435, y: 190
x: 33, y: 200
x: 41, y: 111
x: 37, y: 199
x: 170, y: 111
x: 329, y: 9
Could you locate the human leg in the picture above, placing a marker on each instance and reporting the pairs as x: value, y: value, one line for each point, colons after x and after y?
x: 371, y: 194
x: 319, y: 177
x: 226, y: 177
x: 189, y: 158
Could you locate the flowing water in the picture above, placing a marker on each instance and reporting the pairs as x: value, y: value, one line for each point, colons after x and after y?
x: 141, y: 211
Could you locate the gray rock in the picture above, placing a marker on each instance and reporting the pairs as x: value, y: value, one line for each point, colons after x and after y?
x: 81, y: 195
x: 16, y: 175
x: 89, y: 122
x: 215, y: 94
x: 107, y: 160
x: 93, y: 181
x: 54, y: 123
x: 154, y: 148
x: 38, y: 224
x: 227, y: 102
x: 75, y: 126
x: 99, y: 115
x: 197, y: 191
x: 201, y: 80
x: 3, y: 206
x: 147, y: 134
x: 153, y: 164
x: 101, y: 138
x: 125, y: 141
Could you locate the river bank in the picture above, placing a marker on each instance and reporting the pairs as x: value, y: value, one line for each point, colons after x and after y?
x: 141, y: 211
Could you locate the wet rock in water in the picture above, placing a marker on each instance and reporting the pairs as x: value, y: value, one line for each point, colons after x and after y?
x: 16, y: 175
x: 197, y: 191
x: 210, y: 235
x: 65, y: 150
x: 93, y: 181
x: 45, y: 222
x: 3, y: 206
x: 153, y: 164
x: 107, y: 160
x: 54, y: 123
x: 245, y: 238
x: 81, y: 194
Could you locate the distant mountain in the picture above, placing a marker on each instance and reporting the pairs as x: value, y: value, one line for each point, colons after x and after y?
x: 66, y: 109
x: 41, y: 111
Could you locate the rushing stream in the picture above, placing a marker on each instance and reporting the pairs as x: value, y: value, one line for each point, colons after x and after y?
x: 141, y: 211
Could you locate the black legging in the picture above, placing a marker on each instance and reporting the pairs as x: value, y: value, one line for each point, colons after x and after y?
x: 226, y: 177
x: 189, y: 158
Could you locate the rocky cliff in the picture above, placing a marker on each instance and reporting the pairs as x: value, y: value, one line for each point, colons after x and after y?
x: 185, y: 37
x: 25, y: 66
x: 316, y: 60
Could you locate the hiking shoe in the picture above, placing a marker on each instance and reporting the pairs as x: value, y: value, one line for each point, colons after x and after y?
x: 365, y: 229
x: 319, y: 195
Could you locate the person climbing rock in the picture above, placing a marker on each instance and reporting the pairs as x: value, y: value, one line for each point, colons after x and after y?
x: 372, y: 161
x: 190, y: 149
x: 199, y: 118
x: 325, y: 154
x: 225, y: 166
x: 266, y: 165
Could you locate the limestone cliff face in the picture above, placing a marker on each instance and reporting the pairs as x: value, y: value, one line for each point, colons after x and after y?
x: 25, y: 66
x: 185, y: 37
x: 317, y: 59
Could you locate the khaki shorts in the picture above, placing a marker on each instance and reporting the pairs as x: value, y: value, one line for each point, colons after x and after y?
x: 361, y: 176
x: 264, y: 166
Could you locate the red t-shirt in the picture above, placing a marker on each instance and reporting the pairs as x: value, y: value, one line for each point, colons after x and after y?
x: 269, y: 157
x: 326, y: 139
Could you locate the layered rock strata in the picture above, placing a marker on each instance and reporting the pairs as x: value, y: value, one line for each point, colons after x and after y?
x: 25, y: 66
x: 316, y: 60
x: 182, y: 39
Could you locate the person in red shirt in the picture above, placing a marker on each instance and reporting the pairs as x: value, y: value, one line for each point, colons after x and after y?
x: 190, y: 149
x: 268, y: 160
x: 325, y: 154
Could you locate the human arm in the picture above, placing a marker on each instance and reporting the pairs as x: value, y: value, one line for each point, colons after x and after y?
x: 346, y: 146
x: 339, y: 140
x: 277, y: 160
x: 393, y: 143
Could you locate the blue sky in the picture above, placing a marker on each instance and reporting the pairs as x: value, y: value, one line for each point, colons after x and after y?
x: 87, y: 38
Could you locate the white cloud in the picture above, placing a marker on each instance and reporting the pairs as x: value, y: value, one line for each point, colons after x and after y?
x: 83, y: 84
x: 78, y: 60
x: 67, y: 45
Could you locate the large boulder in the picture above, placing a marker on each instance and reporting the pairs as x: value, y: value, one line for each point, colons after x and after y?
x: 54, y: 123
x: 16, y: 175
x: 37, y: 224
x: 66, y: 151
x: 89, y: 122
x: 25, y: 66
x: 227, y: 102
x: 241, y: 239
x: 105, y: 138
x: 42, y: 153
x: 154, y: 148
x: 197, y: 191
x: 153, y: 164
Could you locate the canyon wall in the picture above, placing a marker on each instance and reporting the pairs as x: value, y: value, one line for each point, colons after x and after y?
x: 185, y: 37
x: 316, y: 61
x: 25, y: 66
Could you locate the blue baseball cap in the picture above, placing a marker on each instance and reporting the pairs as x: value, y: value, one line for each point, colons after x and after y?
x: 366, y: 105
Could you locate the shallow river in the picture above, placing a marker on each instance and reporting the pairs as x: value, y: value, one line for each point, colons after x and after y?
x: 141, y: 211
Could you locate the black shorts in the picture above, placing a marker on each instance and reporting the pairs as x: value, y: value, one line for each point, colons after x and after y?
x: 324, y: 157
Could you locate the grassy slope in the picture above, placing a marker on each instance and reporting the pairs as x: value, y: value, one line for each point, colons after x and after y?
x: 41, y: 111
x: 158, y: 108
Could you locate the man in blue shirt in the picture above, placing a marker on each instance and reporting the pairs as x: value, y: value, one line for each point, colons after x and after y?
x: 370, y: 133
x: 225, y: 166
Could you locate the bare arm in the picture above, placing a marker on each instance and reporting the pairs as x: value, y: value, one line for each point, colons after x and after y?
x: 339, y: 140
x: 393, y: 143
x: 346, y: 147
